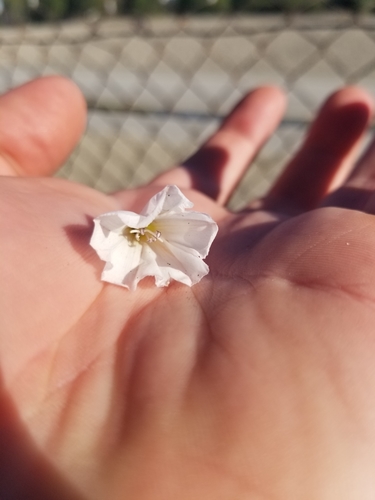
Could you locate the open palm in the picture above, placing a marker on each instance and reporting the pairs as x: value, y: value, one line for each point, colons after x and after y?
x: 258, y: 382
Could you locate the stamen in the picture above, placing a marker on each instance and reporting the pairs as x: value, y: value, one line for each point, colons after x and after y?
x: 137, y: 233
x: 154, y: 236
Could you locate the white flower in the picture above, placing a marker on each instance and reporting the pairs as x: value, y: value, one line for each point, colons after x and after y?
x: 165, y: 241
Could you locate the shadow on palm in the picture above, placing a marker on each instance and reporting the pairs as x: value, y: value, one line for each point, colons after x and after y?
x: 23, y: 467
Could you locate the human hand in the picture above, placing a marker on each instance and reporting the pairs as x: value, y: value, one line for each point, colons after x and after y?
x: 255, y: 383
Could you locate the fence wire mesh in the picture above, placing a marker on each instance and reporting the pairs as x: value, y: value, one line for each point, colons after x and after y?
x: 156, y: 88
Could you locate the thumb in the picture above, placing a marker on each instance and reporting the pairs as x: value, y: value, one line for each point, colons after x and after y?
x: 40, y: 123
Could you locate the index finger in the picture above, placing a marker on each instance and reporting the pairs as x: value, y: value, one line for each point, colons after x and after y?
x: 217, y: 167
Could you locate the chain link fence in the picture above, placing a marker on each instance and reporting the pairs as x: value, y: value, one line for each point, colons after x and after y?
x: 157, y: 87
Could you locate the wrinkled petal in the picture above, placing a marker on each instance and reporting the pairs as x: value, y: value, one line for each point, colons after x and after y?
x: 116, y: 221
x: 123, y: 265
x: 193, y: 230
x: 122, y: 258
x: 112, y: 221
x: 154, y: 265
x: 168, y: 200
x: 179, y: 264
x: 104, y: 240
x: 167, y: 263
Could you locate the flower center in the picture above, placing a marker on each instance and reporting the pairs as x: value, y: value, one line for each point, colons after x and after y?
x: 144, y: 234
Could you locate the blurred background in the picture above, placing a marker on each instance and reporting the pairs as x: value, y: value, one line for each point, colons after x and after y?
x: 159, y: 75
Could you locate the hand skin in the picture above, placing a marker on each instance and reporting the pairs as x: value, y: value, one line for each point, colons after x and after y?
x: 258, y: 383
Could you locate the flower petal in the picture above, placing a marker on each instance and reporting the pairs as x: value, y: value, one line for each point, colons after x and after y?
x: 193, y: 230
x: 116, y: 221
x: 104, y: 240
x: 121, y: 257
x: 152, y: 265
x: 171, y: 262
x: 122, y: 266
x: 113, y: 221
x: 170, y: 199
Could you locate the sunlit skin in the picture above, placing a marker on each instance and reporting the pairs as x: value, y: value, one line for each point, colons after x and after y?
x: 257, y: 383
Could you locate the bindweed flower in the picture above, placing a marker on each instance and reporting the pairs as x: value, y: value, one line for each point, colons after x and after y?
x: 165, y: 241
